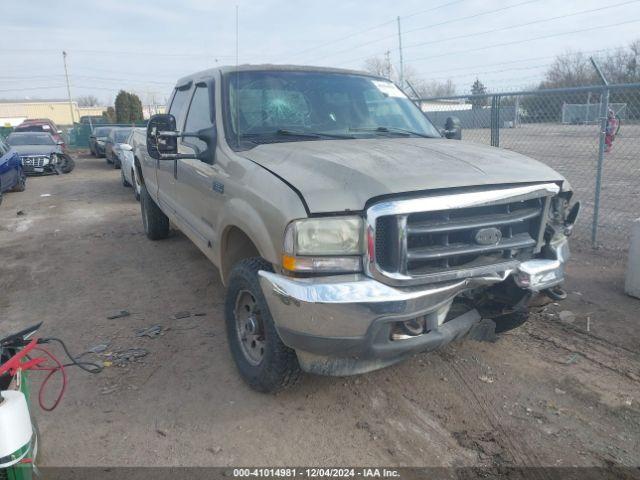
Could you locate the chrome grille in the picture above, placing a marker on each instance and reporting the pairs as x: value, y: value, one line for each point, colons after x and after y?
x: 419, y: 241
x: 34, y: 160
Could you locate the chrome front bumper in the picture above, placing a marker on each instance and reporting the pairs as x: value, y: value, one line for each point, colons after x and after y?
x: 349, y: 316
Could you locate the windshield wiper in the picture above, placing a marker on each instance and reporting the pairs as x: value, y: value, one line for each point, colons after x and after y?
x: 300, y: 133
x: 396, y: 130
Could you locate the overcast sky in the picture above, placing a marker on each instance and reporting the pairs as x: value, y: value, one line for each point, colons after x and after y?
x: 145, y: 45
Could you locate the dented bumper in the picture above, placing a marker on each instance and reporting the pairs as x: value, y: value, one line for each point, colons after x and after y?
x: 342, y: 324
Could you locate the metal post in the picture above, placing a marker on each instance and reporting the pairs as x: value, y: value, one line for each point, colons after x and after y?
x: 604, y: 108
x: 66, y: 74
x: 495, y: 121
x: 400, y: 54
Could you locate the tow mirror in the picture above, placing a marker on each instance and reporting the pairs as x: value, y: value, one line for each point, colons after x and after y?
x: 162, y: 137
x: 453, y: 128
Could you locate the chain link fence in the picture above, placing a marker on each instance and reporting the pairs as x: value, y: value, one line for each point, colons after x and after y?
x: 591, y: 135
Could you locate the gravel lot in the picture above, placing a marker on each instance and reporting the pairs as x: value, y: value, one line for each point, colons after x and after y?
x: 550, y: 393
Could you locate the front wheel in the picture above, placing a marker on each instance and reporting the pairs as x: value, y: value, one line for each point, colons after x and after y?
x: 136, y: 184
x: 68, y: 164
x: 155, y: 222
x: 264, y: 362
x: 125, y: 183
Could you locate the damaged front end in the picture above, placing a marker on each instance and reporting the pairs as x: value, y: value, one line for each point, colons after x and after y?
x: 435, y: 268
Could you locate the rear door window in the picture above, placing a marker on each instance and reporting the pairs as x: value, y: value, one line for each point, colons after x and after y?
x: 179, y: 104
x: 199, y: 116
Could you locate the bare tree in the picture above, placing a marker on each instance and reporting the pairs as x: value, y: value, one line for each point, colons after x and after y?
x: 382, y: 67
x: 573, y: 69
x: 87, y: 101
x: 570, y: 69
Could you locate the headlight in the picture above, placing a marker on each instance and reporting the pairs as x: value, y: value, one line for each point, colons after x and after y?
x: 100, y: 142
x: 330, y: 244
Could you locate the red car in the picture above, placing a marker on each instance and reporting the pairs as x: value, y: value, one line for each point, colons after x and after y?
x: 42, y: 125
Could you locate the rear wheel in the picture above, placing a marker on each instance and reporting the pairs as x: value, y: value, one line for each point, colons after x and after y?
x: 155, y: 222
x: 263, y: 361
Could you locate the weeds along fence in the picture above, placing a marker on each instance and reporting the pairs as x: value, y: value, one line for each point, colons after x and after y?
x: 566, y: 129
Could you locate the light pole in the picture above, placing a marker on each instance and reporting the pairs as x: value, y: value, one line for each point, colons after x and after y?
x: 66, y: 74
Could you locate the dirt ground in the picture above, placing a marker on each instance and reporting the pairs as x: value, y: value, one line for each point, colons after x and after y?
x: 555, y: 392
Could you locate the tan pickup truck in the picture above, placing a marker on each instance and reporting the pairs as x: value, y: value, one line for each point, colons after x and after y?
x: 348, y: 232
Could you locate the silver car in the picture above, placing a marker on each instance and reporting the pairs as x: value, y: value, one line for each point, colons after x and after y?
x: 126, y: 156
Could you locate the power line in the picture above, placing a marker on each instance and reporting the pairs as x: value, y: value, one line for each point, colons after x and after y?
x: 509, y: 27
x: 97, y: 79
x: 113, y: 52
x: 516, y: 61
x: 464, y: 75
x: 516, y: 42
x: 437, y: 24
x: 31, y: 88
x: 374, y: 27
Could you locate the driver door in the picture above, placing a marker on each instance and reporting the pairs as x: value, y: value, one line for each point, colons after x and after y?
x: 199, y: 185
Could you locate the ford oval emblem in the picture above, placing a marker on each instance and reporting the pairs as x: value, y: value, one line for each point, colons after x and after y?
x: 488, y: 236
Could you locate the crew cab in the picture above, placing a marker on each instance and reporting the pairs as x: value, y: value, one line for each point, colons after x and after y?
x: 348, y: 232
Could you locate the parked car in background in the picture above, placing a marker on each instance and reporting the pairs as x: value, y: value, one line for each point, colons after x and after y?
x: 136, y: 141
x: 43, y: 125
x: 12, y: 176
x: 92, y: 120
x: 116, y: 137
x: 40, y: 153
x: 97, y: 140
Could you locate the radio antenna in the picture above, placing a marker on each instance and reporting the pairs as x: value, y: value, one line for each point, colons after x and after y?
x: 237, y: 82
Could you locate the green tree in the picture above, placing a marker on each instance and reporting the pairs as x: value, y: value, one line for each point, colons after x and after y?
x: 128, y: 107
x: 478, y: 88
x: 110, y: 115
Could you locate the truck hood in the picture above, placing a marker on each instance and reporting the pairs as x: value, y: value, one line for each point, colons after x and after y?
x: 339, y: 175
x: 36, y: 149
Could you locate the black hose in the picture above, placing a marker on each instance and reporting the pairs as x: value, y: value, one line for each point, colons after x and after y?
x: 86, y: 366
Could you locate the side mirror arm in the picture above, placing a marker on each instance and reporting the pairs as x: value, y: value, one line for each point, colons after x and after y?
x: 178, y: 156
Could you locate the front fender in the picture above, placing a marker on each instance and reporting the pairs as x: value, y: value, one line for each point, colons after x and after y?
x: 240, y: 214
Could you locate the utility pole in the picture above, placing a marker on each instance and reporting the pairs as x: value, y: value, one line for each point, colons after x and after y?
x: 400, y: 52
x: 66, y: 75
x: 387, y: 64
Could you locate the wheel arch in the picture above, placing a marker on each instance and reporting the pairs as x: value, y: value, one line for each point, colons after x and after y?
x: 235, y: 246
x: 138, y: 169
